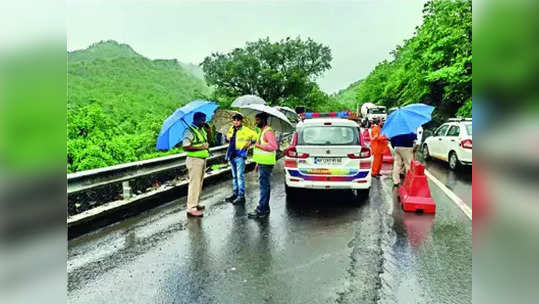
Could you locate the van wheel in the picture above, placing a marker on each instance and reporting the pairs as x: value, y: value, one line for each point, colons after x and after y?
x: 360, y: 196
x: 453, y: 161
x: 425, y: 151
x: 291, y: 193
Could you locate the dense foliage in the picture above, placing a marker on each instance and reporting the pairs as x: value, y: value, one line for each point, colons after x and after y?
x: 433, y: 67
x: 280, y: 72
x: 117, y: 101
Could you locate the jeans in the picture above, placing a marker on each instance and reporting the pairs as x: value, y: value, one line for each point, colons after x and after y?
x: 237, y: 165
x: 264, y: 178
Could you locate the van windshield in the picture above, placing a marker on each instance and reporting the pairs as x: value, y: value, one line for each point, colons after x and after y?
x: 328, y: 135
x: 377, y: 111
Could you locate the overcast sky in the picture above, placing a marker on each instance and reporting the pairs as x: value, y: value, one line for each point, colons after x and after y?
x: 360, y: 33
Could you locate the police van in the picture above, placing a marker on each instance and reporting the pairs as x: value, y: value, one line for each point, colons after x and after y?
x: 327, y: 153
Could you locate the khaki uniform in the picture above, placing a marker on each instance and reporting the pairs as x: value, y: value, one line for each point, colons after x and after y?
x: 403, y: 156
x: 196, y: 168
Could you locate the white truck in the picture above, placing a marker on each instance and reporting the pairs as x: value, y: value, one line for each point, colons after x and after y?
x: 371, y: 112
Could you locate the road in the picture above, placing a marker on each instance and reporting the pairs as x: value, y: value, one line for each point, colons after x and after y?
x: 459, y: 181
x: 328, y: 248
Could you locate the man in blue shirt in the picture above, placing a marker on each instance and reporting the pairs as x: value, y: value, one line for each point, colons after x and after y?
x: 404, y: 147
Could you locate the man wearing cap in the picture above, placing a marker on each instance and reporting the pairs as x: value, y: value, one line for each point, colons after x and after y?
x: 196, y: 145
x: 240, y: 139
x: 265, y: 157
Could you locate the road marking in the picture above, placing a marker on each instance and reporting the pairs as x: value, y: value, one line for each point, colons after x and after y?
x: 459, y: 202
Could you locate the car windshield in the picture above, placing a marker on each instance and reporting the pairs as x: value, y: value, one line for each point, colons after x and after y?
x: 469, y: 129
x: 377, y: 111
x: 328, y: 135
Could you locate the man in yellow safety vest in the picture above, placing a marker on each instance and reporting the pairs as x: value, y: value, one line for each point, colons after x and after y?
x: 240, y: 138
x: 265, y: 157
x: 196, y: 145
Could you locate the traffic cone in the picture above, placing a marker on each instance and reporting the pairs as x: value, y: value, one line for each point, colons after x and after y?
x: 388, y: 156
x: 414, y: 194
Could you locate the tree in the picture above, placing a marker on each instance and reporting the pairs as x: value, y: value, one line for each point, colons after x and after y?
x: 275, y: 71
x: 433, y: 67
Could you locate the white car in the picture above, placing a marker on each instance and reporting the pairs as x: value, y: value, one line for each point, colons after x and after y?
x: 451, y: 142
x: 327, y: 153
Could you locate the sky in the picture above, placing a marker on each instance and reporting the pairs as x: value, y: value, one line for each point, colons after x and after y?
x: 360, y: 33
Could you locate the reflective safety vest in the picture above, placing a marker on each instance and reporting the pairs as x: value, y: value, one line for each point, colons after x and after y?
x: 243, y: 136
x: 263, y: 157
x: 200, y: 137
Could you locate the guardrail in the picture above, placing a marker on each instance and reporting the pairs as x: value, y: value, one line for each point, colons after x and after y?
x: 85, y: 180
x: 91, y: 188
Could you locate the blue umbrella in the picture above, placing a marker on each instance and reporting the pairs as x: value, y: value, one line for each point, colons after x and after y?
x: 173, y: 129
x: 407, y: 119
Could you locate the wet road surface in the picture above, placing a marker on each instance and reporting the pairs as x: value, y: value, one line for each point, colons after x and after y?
x: 458, y: 181
x: 328, y: 248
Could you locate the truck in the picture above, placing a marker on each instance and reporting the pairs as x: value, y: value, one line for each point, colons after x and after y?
x: 371, y: 112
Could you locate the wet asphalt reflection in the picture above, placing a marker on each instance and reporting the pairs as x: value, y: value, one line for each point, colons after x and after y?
x: 326, y: 247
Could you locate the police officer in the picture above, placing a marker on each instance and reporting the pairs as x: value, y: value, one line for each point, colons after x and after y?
x: 196, y: 145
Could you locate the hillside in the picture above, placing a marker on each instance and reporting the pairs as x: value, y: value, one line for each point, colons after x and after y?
x: 117, y: 100
x: 194, y: 69
x: 348, y: 96
x: 105, y: 50
x: 433, y: 67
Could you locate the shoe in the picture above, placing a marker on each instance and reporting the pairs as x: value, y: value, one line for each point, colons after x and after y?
x: 231, y: 198
x: 200, y: 207
x: 395, y: 185
x: 194, y: 213
x: 239, y: 200
x: 258, y: 214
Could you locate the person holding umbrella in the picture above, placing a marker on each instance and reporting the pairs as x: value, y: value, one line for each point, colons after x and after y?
x: 196, y: 145
x: 268, y: 121
x: 404, y: 146
x: 188, y: 126
x: 240, y: 138
x: 400, y: 128
x: 265, y: 156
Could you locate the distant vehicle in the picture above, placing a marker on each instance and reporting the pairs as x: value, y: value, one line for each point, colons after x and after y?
x: 451, y: 142
x: 291, y: 114
x: 371, y: 112
x: 327, y: 153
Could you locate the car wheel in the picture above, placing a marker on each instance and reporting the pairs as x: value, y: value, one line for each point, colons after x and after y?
x: 426, y: 154
x: 360, y: 196
x: 453, y: 161
x: 290, y: 192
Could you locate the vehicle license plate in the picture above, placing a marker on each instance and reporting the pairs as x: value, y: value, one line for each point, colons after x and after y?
x: 331, y: 161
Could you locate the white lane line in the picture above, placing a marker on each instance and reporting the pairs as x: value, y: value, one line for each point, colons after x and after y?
x: 459, y: 202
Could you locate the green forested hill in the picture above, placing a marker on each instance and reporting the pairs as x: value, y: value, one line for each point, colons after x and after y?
x: 433, y: 67
x: 104, y: 50
x: 117, y: 100
x: 348, y: 97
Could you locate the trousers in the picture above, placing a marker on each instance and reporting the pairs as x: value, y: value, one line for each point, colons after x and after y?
x: 403, y: 156
x: 195, y: 167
